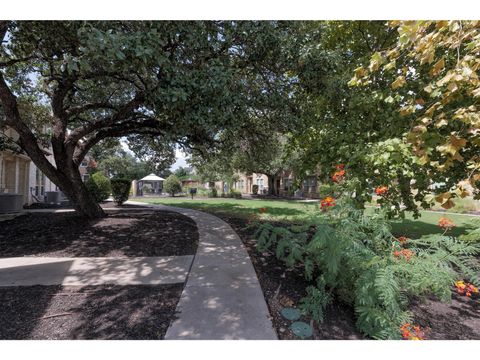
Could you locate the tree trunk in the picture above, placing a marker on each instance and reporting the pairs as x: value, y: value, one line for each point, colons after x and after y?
x: 271, y: 184
x: 74, y: 188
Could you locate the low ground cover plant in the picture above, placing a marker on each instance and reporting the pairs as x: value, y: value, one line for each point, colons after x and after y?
x: 352, y: 256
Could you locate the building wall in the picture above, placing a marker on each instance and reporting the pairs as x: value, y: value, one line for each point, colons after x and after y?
x: 18, y: 174
x: 285, y: 181
x: 245, y: 182
x: 39, y: 183
x: 14, y: 170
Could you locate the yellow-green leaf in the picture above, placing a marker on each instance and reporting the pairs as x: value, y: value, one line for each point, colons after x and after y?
x: 399, y: 82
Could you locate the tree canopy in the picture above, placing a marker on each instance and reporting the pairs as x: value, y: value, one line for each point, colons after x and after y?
x: 67, y: 86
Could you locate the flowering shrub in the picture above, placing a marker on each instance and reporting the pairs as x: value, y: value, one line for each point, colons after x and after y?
x: 262, y: 210
x: 327, y: 202
x: 338, y: 175
x: 348, y: 255
x: 446, y: 224
x: 465, y: 288
x: 405, y: 253
x: 402, y: 240
x: 381, y: 190
x: 412, y: 332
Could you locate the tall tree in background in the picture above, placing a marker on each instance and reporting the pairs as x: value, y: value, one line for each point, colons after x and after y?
x: 68, y: 86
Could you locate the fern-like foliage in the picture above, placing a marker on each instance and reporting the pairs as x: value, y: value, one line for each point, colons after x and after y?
x: 352, y: 256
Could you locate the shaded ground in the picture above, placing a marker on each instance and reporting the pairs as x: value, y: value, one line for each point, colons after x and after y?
x: 285, y: 288
x: 458, y: 320
x: 122, y: 233
x: 91, y: 312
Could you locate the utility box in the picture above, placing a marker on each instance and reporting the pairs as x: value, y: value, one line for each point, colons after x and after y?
x: 53, y: 197
x: 11, y: 202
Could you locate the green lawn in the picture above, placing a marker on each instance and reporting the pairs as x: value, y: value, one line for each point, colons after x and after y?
x: 292, y: 210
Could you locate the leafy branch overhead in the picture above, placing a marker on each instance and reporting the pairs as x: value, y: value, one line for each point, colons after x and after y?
x: 433, y: 72
x: 184, y: 82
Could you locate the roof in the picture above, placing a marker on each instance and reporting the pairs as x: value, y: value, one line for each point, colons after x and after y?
x: 152, y: 177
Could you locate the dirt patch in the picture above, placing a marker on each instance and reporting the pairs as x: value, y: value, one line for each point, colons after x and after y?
x: 128, y: 233
x: 458, y: 320
x: 283, y: 287
x: 91, y: 312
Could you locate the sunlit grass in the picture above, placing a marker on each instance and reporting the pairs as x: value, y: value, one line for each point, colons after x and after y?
x: 294, y: 210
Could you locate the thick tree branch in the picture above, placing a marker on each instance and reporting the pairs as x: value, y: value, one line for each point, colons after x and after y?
x: 76, y: 110
x: 123, y: 113
x: 28, y: 141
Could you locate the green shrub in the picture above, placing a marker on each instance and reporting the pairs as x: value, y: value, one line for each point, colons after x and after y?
x: 99, y: 186
x: 213, y: 193
x: 235, y: 194
x: 352, y: 256
x: 327, y: 190
x: 120, y: 190
x: 172, y: 185
x: 202, y: 192
x: 255, y: 189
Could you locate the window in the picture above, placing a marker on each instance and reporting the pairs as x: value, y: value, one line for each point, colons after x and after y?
x: 84, y: 163
x: 240, y: 184
x: 260, y: 183
x: 310, y: 184
x: 85, y: 177
x: 287, y: 183
x: 39, y: 183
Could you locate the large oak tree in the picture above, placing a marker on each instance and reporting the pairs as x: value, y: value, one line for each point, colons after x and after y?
x: 68, y: 86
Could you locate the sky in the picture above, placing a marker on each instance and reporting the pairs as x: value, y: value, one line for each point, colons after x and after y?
x: 181, y: 162
x: 180, y: 156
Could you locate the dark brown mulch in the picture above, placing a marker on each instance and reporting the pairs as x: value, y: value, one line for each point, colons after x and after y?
x: 282, y: 287
x: 91, y: 312
x: 285, y: 288
x: 122, y: 233
x: 458, y: 320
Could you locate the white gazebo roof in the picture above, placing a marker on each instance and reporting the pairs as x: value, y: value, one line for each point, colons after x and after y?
x: 152, y: 177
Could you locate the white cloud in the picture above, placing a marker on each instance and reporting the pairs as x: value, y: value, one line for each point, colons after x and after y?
x: 181, y: 160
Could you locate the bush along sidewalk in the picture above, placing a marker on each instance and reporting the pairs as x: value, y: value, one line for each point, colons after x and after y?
x: 355, y: 258
x: 120, y: 190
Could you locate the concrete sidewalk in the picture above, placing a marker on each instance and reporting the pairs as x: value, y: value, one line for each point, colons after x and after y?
x: 222, y: 298
x: 27, y: 271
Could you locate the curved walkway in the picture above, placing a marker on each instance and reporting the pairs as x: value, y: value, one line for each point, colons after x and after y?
x: 222, y: 298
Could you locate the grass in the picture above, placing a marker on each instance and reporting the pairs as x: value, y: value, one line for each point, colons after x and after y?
x: 292, y: 210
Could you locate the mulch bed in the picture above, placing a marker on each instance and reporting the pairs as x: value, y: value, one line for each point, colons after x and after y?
x: 283, y: 287
x: 91, y: 312
x: 130, y: 233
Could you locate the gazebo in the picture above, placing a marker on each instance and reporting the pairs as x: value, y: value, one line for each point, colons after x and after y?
x: 155, y: 182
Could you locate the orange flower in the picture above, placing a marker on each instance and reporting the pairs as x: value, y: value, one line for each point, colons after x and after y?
x: 446, y: 223
x: 327, y: 202
x: 402, y: 240
x: 262, y: 210
x: 410, y: 332
x: 340, y: 166
x: 338, y: 175
x: 405, y: 253
x: 381, y: 190
x: 465, y: 289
